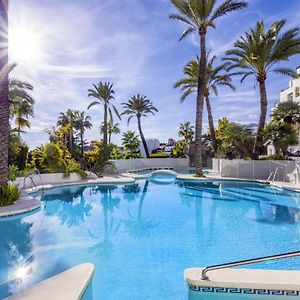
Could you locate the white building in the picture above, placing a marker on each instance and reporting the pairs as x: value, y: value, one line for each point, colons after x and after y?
x: 152, y: 144
x: 292, y: 93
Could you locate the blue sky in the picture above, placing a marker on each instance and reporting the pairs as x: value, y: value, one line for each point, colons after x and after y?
x: 133, y: 44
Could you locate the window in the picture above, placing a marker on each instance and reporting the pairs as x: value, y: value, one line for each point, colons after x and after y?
x: 290, y: 97
x: 297, y: 91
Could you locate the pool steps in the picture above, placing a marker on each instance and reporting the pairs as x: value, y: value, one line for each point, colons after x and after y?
x: 68, y: 285
x: 244, y: 281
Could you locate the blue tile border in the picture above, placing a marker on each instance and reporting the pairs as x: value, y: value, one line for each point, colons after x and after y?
x: 242, y: 291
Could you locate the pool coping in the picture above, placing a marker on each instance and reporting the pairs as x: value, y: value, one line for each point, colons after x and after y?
x: 24, y: 204
x: 245, y: 281
x: 68, y: 285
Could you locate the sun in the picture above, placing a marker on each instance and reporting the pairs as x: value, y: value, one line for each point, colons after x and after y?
x: 24, y: 46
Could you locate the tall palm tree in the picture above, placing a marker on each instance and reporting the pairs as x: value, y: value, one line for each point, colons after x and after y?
x: 139, y: 106
x: 214, y: 79
x: 199, y: 16
x: 104, y: 94
x: 82, y: 122
x: 111, y: 129
x: 4, y: 102
x: 186, y: 130
x: 20, y: 102
x: 258, y: 52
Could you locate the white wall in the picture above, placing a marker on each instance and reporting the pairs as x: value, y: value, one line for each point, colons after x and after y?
x: 124, y: 165
x: 44, y: 179
x: 256, y: 169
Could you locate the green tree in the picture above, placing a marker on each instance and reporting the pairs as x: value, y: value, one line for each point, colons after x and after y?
x: 4, y: 101
x: 186, y: 131
x: 139, y: 106
x: 104, y: 94
x: 282, y: 135
x: 288, y: 112
x: 215, y: 78
x: 82, y: 122
x: 20, y: 103
x: 130, y: 141
x: 199, y: 16
x: 111, y: 129
x: 257, y: 53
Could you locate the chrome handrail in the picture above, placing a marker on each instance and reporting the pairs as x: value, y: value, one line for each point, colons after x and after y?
x: 247, y: 262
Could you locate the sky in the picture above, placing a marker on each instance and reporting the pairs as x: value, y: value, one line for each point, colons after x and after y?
x: 63, y: 47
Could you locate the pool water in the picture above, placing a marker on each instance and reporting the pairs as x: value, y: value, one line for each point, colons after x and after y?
x: 142, y: 236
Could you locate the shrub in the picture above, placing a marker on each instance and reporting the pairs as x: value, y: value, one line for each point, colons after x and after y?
x: 9, y: 194
x: 160, y: 155
x: 13, y: 172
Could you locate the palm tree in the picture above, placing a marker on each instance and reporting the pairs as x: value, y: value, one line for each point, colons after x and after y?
x: 104, y: 94
x: 287, y: 112
x: 213, y: 80
x: 4, y: 102
x: 257, y: 53
x: 130, y: 141
x: 200, y: 15
x: 139, y: 106
x: 186, y: 130
x: 68, y: 119
x: 111, y: 129
x: 82, y: 123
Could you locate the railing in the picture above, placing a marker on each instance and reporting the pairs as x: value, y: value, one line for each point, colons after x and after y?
x: 246, y: 262
x: 30, y: 176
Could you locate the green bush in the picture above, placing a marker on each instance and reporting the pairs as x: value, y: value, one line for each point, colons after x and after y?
x: 160, y: 155
x: 13, y: 172
x: 132, y: 155
x: 9, y: 194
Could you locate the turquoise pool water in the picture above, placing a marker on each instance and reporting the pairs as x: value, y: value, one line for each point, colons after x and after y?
x: 142, y: 236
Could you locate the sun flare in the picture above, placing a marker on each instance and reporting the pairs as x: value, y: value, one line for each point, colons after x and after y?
x: 25, y: 46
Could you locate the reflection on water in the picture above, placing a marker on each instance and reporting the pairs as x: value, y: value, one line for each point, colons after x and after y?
x: 135, y: 234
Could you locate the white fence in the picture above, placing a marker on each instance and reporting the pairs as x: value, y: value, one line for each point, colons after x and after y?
x: 276, y: 170
x: 124, y: 165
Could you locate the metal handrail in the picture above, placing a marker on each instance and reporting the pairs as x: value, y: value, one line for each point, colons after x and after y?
x: 270, y: 176
x: 247, y: 262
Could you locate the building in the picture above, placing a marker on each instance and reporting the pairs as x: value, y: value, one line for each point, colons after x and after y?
x: 292, y: 93
x: 152, y: 144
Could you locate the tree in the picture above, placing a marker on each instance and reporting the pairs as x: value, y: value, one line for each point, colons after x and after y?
x: 82, y: 123
x: 186, y: 130
x: 288, y: 112
x: 4, y: 101
x: 130, y: 141
x: 282, y: 136
x: 111, y: 129
x: 104, y: 94
x: 20, y: 103
x: 199, y: 16
x: 257, y: 53
x: 214, y: 78
x: 139, y: 106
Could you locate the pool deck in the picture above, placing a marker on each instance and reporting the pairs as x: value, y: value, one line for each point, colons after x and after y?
x: 24, y: 205
x: 264, y: 282
x: 69, y: 285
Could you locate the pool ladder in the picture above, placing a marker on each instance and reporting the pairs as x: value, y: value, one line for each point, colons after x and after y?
x: 274, y: 175
x: 30, y: 176
x: 247, y: 262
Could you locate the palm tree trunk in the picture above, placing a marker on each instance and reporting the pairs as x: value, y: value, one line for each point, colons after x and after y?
x: 211, y: 125
x: 105, y: 150
x: 71, y: 139
x: 199, y: 108
x: 4, y: 103
x: 109, y: 137
x: 81, y: 142
x: 142, y: 137
x: 263, y: 114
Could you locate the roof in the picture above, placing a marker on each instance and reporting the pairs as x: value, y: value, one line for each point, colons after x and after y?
x: 298, y: 67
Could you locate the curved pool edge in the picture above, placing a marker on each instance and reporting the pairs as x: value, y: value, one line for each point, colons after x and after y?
x: 23, y: 205
x: 68, y: 285
x: 245, y: 281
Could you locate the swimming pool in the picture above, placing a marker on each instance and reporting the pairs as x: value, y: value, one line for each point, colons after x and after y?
x: 142, y: 236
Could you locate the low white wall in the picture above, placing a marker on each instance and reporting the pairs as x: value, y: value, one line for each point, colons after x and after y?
x: 124, y: 165
x: 46, y: 179
x: 256, y: 169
